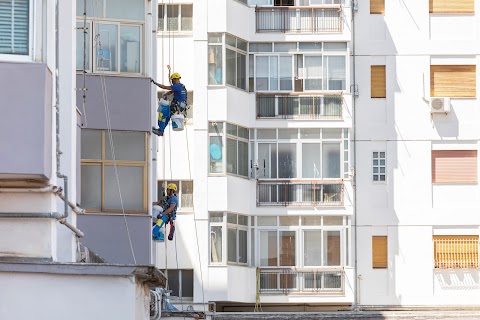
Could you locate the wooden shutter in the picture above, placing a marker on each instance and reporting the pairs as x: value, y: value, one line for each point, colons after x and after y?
x: 377, y: 6
x: 453, y: 81
x: 452, y: 6
x: 455, y: 251
x: 378, y: 85
x: 379, y: 252
x: 454, y: 166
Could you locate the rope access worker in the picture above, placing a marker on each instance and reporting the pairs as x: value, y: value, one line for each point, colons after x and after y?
x: 178, y: 104
x: 167, y: 215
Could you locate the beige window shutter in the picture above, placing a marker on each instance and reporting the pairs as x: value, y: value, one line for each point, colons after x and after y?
x: 452, y: 6
x: 455, y: 251
x: 454, y: 166
x: 379, y: 252
x: 377, y: 6
x: 453, y: 81
x: 378, y: 82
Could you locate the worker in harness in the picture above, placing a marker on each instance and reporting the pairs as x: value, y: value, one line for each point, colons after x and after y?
x: 167, y: 214
x: 178, y: 104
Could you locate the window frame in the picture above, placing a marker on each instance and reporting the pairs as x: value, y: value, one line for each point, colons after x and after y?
x: 180, y: 296
x: 33, y: 29
x: 103, y: 162
x: 179, y: 30
x: 379, y: 166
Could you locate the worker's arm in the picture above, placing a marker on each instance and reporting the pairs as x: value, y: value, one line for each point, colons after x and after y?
x: 170, y: 209
x: 160, y: 85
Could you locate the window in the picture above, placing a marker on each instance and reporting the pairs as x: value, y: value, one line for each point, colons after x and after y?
x: 455, y: 251
x: 377, y: 6
x: 320, y: 152
x: 180, y: 281
x: 453, y: 81
x: 235, y: 52
x: 175, y: 17
x: 298, y: 66
x: 454, y: 166
x: 98, y: 176
x: 114, y: 36
x: 14, y: 27
x: 379, y: 166
x: 235, y: 241
x: 379, y: 252
x: 184, y: 192
x: 215, y: 132
x: 378, y: 86
x: 452, y: 6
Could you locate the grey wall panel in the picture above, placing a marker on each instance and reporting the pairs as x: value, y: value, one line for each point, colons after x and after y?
x: 128, y: 102
x: 106, y: 235
x: 25, y: 121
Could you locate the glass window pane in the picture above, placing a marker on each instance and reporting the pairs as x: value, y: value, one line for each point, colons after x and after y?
x: 310, y: 46
x: 252, y: 247
x: 231, y: 129
x: 266, y: 221
x: 243, y: 220
x: 232, y: 244
x: 187, y: 283
x: 331, y: 248
x: 242, y: 132
x: 266, y: 133
x: 187, y: 17
x: 243, y: 158
x: 311, y: 221
x: 14, y: 27
x: 241, y: 71
x: 230, y: 40
x: 215, y: 127
x: 187, y: 194
x: 312, y: 248
x: 287, y: 248
x: 173, y: 282
x: 232, y: 218
x: 335, y: 46
x: 268, y: 249
x: 231, y: 156
x: 216, y: 244
x: 131, y: 185
x: 216, y: 163
x: 91, y: 142
x: 260, y: 47
x: 242, y: 246
x: 285, y: 46
x: 332, y: 133
x: 273, y: 75
x: 289, y: 221
x: 333, y: 221
x: 230, y: 60
x: 241, y: 44
x: 287, y: 133
x: 311, y: 160
x: 216, y: 217
x: 108, y: 52
x: 130, y: 49
x: 336, y: 73
x: 161, y: 17
x: 331, y: 160
x: 79, y: 49
x: 128, y: 145
x: 172, y: 17
x: 313, y: 73
x: 287, y: 161
x: 215, y: 72
x: 267, y: 160
x: 215, y: 38
x: 94, y: 8
x: 261, y: 73
x: 91, y: 187
x: 310, y: 133
x: 125, y: 9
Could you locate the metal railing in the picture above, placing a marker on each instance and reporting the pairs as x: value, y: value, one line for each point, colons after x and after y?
x: 455, y: 253
x: 296, y: 280
x: 324, y: 19
x: 299, y: 193
x: 300, y: 106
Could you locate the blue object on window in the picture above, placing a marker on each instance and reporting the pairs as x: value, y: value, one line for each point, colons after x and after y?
x: 103, y: 52
x: 215, y: 151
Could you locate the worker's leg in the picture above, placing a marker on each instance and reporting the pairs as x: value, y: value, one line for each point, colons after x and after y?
x: 156, y: 233
x: 164, y: 118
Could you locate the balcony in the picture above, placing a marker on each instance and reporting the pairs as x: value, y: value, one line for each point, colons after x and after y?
x: 324, y: 19
x: 299, y: 193
x: 300, y: 106
x: 329, y: 281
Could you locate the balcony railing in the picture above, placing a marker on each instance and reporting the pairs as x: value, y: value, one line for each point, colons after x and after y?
x: 324, y: 19
x: 299, y: 193
x: 300, y: 106
x: 292, y: 280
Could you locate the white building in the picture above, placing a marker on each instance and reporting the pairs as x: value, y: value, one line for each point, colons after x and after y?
x: 43, y: 226
x: 281, y: 96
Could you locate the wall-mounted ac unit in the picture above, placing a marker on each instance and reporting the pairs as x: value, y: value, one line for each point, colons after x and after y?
x: 439, y: 105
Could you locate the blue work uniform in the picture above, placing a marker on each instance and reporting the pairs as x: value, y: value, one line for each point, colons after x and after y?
x: 173, y: 199
x: 163, y: 218
x: 179, y: 92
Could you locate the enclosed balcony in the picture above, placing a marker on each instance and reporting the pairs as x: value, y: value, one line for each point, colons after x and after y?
x: 300, y: 106
x: 290, y: 19
x: 299, y: 193
x: 301, y: 280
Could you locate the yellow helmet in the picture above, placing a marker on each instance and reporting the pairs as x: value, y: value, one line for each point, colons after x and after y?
x: 172, y: 186
x: 175, y: 76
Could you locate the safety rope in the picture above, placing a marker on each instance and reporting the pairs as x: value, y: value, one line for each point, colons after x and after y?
x: 109, y: 128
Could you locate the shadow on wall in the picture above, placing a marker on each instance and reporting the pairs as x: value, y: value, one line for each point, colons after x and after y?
x: 466, y: 279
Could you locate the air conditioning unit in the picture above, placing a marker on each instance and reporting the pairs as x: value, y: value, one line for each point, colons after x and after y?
x: 439, y: 105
